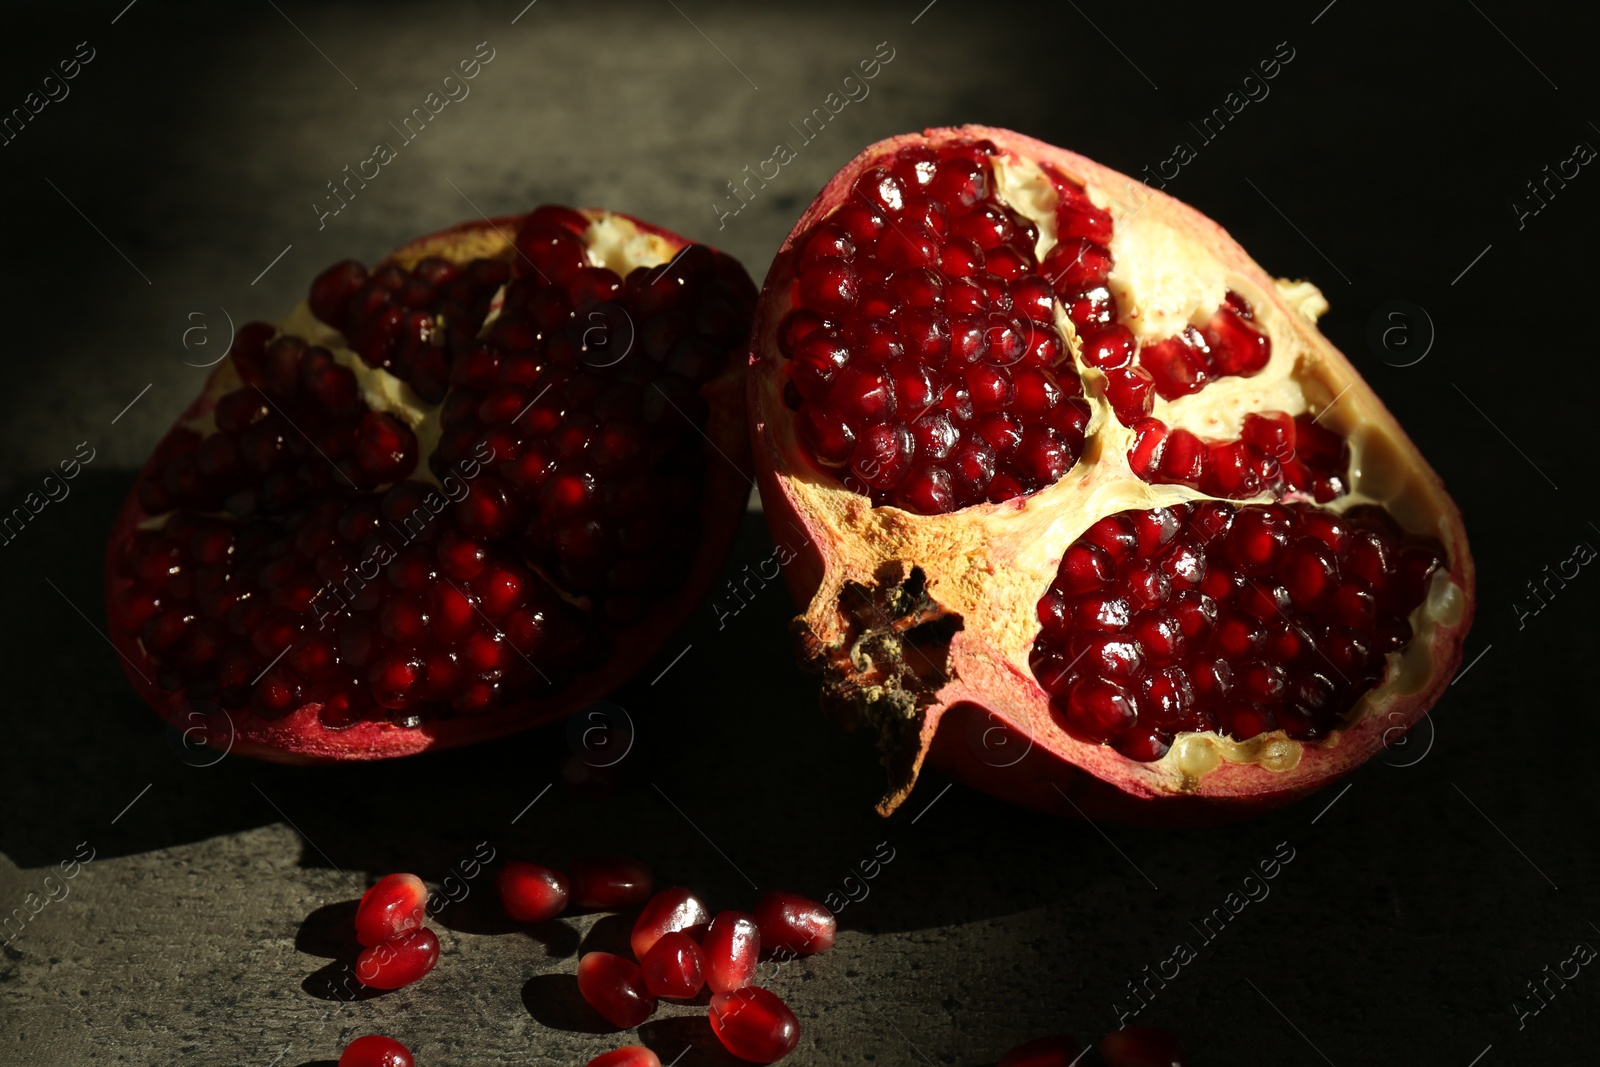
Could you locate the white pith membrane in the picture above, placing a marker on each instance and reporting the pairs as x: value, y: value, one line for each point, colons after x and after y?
x: 1163, y: 278
x: 611, y: 241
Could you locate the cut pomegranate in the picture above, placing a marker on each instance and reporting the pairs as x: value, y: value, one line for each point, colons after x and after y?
x: 609, y: 882
x: 443, y: 500
x: 668, y: 911
x: 791, y: 923
x: 1142, y: 1046
x: 614, y: 987
x: 627, y: 1056
x: 1056, y: 1050
x: 1006, y: 395
x: 392, y: 907
x: 376, y: 1051
x: 531, y: 893
x: 732, y: 951
x: 754, y: 1025
x: 399, y: 961
x: 673, y: 967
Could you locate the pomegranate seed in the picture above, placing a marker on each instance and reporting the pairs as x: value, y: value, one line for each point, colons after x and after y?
x: 673, y: 967
x: 531, y: 893
x: 627, y: 1056
x: 1111, y: 349
x: 1131, y: 390
x: 609, y: 882
x: 375, y: 1051
x: 1149, y: 444
x: 668, y: 911
x: 754, y: 1025
x: 614, y: 987
x: 1179, y: 364
x: 1236, y: 346
x: 1142, y: 1046
x: 398, y: 961
x: 1076, y: 264
x: 1056, y: 1050
x: 392, y: 907
x: 794, y: 924
x: 732, y: 949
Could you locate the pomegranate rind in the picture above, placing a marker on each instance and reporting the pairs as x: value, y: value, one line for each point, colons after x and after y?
x: 299, y: 737
x: 980, y: 570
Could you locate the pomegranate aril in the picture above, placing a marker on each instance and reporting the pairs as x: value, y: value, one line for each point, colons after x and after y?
x: 627, y: 1056
x: 615, y: 988
x: 673, y: 967
x: 926, y: 491
x: 1100, y: 709
x: 398, y: 961
x: 249, y: 351
x: 549, y: 253
x: 731, y: 950
x: 532, y: 893
x: 1056, y: 1050
x: 1076, y: 264
x: 1110, y: 349
x: 392, y: 907
x: 883, y: 456
x: 669, y: 911
x: 375, y: 1051
x: 1271, y: 432
x: 1149, y: 445
x: 1179, y: 364
x: 609, y: 882
x: 754, y: 1024
x: 1236, y: 346
x: 1131, y: 391
x: 1142, y: 1046
x: 791, y: 923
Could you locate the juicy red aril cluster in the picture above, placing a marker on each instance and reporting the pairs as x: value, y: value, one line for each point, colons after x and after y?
x: 1228, y: 345
x: 374, y: 608
x: 1078, y: 268
x: 302, y: 562
x: 410, y: 324
x: 1275, y: 453
x: 679, y: 949
x: 399, y: 949
x: 587, y: 391
x: 924, y: 362
x: 1214, y: 617
x: 296, y: 431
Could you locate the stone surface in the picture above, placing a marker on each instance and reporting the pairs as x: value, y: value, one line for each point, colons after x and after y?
x: 208, y: 923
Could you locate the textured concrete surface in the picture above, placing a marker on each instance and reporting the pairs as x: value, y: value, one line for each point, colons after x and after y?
x: 212, y: 915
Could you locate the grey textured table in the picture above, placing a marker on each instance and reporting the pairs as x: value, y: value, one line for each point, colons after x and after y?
x: 179, y: 176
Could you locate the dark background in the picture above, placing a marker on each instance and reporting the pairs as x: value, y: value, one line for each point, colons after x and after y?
x: 1385, y: 162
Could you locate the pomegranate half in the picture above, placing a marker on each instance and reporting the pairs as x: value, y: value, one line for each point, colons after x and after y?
x: 1079, y: 502
x: 443, y: 500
